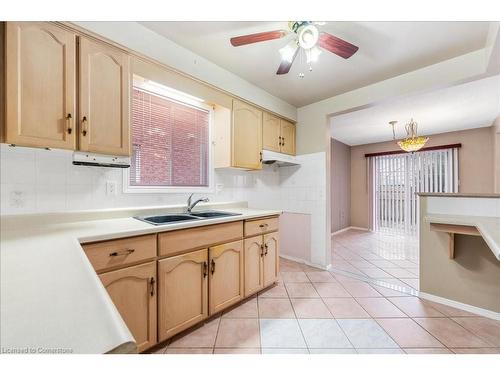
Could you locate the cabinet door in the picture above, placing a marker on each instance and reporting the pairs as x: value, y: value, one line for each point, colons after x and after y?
x: 133, y: 291
x: 287, y: 137
x: 182, y: 292
x: 253, y: 265
x: 104, y: 99
x: 271, y: 258
x: 226, y: 275
x: 246, y: 136
x: 271, y: 133
x: 40, y: 85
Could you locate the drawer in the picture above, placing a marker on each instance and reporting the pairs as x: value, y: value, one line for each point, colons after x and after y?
x: 116, y: 253
x: 179, y: 241
x: 259, y: 226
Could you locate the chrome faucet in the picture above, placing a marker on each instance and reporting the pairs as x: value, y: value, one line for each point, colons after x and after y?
x: 190, y: 205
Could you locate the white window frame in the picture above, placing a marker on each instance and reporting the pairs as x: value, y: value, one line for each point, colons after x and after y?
x: 188, y: 100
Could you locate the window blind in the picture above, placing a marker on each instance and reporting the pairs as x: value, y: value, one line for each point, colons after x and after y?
x: 397, y: 178
x: 169, y: 142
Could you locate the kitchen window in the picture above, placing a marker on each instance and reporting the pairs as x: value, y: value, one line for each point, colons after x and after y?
x: 170, y: 141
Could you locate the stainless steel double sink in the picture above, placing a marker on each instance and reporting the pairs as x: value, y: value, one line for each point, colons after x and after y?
x: 178, y: 217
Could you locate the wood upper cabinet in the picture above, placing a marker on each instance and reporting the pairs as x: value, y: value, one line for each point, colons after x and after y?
x: 133, y: 291
x: 287, y: 137
x: 40, y: 85
x: 271, y: 133
x: 246, y: 136
x: 104, y: 99
x: 271, y: 258
x: 226, y: 275
x: 254, y: 253
x: 182, y: 292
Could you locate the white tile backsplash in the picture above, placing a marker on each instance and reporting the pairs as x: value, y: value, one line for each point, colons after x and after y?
x: 37, y: 180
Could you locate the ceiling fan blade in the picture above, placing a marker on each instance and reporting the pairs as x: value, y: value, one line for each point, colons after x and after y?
x: 255, y: 38
x: 337, y: 46
x: 285, y: 65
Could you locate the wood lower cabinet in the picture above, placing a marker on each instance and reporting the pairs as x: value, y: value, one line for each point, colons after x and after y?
x: 182, y: 292
x: 104, y: 99
x: 133, y: 291
x: 41, y: 85
x: 253, y: 265
x: 226, y: 281
x: 246, y: 136
x: 271, y: 258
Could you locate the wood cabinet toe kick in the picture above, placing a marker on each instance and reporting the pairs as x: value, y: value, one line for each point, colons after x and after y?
x: 164, y: 283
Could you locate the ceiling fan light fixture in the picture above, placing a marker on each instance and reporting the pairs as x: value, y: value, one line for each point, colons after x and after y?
x: 308, y: 36
x: 288, y: 52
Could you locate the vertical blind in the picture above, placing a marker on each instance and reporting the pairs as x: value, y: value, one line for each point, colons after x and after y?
x: 397, y: 179
x: 169, y: 142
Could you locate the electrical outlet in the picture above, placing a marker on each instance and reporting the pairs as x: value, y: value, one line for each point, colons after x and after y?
x: 17, y: 198
x: 110, y: 187
x: 219, y: 187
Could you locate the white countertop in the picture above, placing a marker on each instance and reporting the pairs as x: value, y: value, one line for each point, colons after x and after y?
x: 488, y: 227
x: 51, y: 298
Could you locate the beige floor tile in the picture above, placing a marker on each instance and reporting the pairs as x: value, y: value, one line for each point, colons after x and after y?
x: 427, y: 351
x: 380, y: 351
x: 361, y: 264
x: 203, y: 337
x: 332, y: 351
x: 160, y: 350
x: 294, y: 277
x: 285, y: 351
x: 404, y: 263
x: 281, y: 333
x: 487, y: 329
x: 380, y: 308
x: 451, y: 333
x: 189, y: 351
x: 360, y: 289
x: 389, y: 292
x: 448, y: 310
x: 345, y: 308
x: 237, y: 351
x: 238, y: 333
x: 323, y: 334
x: 383, y: 263
x: 277, y: 291
x: 399, y: 272
x: 275, y: 308
x: 408, y: 334
x: 310, y: 308
x: 415, y: 307
x: 331, y: 290
x: 413, y: 283
x: 247, y: 309
x: 301, y: 290
x: 320, y: 277
x: 376, y: 273
x: 476, y: 350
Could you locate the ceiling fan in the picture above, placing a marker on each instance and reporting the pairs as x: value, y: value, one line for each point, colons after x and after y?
x: 308, y: 38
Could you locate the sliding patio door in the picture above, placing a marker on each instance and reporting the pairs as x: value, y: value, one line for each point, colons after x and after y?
x: 396, y: 180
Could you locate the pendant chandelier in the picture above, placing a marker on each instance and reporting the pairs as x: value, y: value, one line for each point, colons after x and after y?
x: 412, y: 142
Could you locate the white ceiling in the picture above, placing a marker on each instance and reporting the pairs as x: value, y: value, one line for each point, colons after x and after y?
x: 471, y: 105
x: 386, y: 49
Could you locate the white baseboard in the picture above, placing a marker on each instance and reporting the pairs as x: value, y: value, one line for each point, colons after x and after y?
x: 459, y: 305
x: 298, y: 260
x: 349, y: 228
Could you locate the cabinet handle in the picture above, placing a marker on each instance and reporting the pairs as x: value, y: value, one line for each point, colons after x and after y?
x: 205, y: 269
x: 264, y: 225
x: 69, y: 129
x: 283, y: 141
x: 280, y: 140
x: 84, y: 125
x: 266, y: 249
x: 260, y: 157
x: 261, y: 251
x: 124, y: 252
x: 152, y: 286
x: 212, y: 264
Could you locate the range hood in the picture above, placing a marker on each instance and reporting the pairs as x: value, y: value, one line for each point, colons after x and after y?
x: 97, y: 160
x: 279, y: 159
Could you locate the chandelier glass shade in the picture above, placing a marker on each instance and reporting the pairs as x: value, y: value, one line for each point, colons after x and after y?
x: 412, y: 142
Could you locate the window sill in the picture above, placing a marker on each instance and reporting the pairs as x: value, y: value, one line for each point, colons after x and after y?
x: 167, y: 190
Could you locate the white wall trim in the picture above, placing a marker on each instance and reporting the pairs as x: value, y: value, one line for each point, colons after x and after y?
x: 459, y: 305
x: 302, y: 261
x: 349, y: 228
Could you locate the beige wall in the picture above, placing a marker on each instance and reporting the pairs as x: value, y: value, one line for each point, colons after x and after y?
x: 476, y: 167
x: 340, y: 177
x: 496, y: 152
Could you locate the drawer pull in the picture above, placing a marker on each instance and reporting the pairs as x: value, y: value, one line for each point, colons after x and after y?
x: 264, y: 225
x: 205, y: 269
x: 68, y: 120
x: 212, y: 264
x: 84, y: 125
x: 152, y: 285
x: 261, y: 251
x: 119, y: 253
x: 266, y: 249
